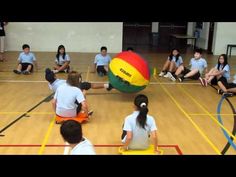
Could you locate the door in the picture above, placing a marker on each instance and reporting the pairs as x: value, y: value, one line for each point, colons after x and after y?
x: 168, y: 28
x: 210, y: 37
x: 136, y: 34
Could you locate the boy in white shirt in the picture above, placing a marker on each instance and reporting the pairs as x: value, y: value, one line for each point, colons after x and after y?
x: 26, y: 61
x: 101, y: 62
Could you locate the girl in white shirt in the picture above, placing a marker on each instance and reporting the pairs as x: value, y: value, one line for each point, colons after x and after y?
x: 139, y: 126
x: 62, y: 60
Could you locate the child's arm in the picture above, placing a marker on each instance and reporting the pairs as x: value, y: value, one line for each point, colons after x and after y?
x: 64, y: 66
x: 155, y: 141
x: 84, y: 106
x: 127, y: 140
x: 54, y: 103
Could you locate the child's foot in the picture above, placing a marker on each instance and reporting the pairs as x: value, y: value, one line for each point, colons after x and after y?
x: 181, y: 79
x: 220, y: 92
x: 26, y: 72
x: 166, y: 75
x: 110, y: 87
x: 16, y: 71
x: 201, y: 81
x: 100, y: 74
x: 161, y: 74
x: 228, y: 94
x: 90, y: 113
x: 171, y: 76
x: 55, y: 71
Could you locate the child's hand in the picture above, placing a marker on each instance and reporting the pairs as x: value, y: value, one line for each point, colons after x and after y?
x: 157, y: 151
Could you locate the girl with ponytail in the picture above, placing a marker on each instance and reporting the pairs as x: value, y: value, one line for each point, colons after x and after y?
x: 139, y: 126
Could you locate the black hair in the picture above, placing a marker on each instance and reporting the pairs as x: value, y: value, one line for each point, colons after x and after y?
x: 24, y: 46
x: 225, y: 61
x: 130, y: 48
x: 58, y: 52
x: 103, y: 48
x: 71, y: 131
x: 198, y: 51
x: 171, y: 55
x: 141, y: 102
x: 49, y: 75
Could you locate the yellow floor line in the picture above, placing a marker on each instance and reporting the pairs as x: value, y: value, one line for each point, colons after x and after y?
x: 45, y: 140
x: 205, y: 110
x: 190, y: 119
x: 204, y: 114
x: 87, y: 75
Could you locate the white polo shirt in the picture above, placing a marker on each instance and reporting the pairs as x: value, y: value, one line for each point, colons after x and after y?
x: 102, y: 60
x: 66, y: 96
x: 61, y: 60
x: 26, y: 58
x: 140, y: 138
x: 83, y: 148
x: 56, y: 84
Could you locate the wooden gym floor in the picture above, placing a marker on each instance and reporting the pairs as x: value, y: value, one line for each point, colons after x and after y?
x: 185, y: 113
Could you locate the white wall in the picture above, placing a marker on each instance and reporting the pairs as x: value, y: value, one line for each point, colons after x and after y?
x: 190, y: 31
x: 77, y: 36
x: 225, y: 33
x: 202, y: 42
x: 155, y: 26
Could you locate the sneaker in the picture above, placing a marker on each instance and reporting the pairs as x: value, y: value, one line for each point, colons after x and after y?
x: 100, y: 74
x: 90, y: 113
x: 166, y: 75
x: 16, y: 71
x: 26, y: 72
x: 201, y: 81
x: 220, y: 92
x: 55, y: 71
x: 228, y: 94
x: 110, y: 87
x: 181, y: 79
x: 171, y: 76
x: 161, y: 74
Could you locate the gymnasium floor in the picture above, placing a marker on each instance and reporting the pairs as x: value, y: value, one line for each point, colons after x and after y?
x: 185, y: 113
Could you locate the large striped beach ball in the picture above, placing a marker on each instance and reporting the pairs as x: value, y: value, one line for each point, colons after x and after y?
x: 128, y: 72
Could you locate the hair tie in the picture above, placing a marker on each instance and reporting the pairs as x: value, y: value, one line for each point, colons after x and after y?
x: 142, y: 104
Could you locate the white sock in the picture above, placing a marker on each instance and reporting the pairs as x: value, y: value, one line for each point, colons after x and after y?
x: 106, y: 85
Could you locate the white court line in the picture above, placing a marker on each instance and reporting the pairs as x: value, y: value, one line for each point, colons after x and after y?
x: 152, y: 83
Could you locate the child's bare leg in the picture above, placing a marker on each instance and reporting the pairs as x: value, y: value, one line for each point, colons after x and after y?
x: 29, y: 68
x: 191, y: 73
x: 63, y: 67
x: 106, y: 68
x: 179, y: 70
x: 166, y: 65
x: 172, y: 67
x: 222, y: 87
x: 19, y: 67
x: 232, y: 90
x: 97, y: 85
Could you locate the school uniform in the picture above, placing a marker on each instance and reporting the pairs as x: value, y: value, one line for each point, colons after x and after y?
x: 140, y: 136
x: 66, y: 97
x: 85, y: 147
x: 26, y: 60
x: 58, y: 82
x: 100, y: 62
x: 178, y: 62
x: 199, y: 64
x: 61, y: 61
x: 226, y: 73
